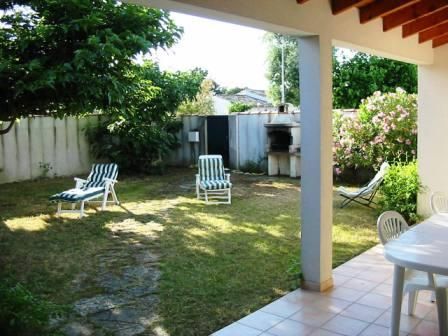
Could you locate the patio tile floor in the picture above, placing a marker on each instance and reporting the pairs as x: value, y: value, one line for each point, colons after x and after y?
x: 358, y: 304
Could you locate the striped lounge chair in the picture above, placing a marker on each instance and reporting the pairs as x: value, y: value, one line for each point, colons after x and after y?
x: 212, y: 183
x: 100, y: 183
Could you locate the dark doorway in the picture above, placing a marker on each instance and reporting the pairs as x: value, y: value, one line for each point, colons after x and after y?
x: 218, y: 137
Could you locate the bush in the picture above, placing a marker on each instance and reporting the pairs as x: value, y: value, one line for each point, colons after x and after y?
x: 139, y: 137
x: 135, y: 147
x: 399, y: 190
x: 384, y: 130
x: 240, y: 107
x: 22, y: 313
x: 254, y: 167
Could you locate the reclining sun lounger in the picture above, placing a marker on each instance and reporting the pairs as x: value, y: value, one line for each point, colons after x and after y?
x: 364, y: 195
x: 100, y: 183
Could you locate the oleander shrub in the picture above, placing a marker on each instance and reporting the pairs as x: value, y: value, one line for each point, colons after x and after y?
x: 385, y: 129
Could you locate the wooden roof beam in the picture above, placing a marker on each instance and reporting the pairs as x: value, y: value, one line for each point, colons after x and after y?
x: 413, y: 12
x: 339, y: 6
x: 431, y: 34
x: 437, y: 42
x: 301, y: 1
x: 425, y: 22
x: 381, y: 8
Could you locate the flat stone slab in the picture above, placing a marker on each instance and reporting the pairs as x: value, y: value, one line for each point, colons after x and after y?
x: 77, y: 329
x: 99, y: 303
x: 134, y: 281
x: 128, y: 320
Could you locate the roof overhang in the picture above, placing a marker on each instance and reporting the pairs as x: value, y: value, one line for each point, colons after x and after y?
x: 313, y: 17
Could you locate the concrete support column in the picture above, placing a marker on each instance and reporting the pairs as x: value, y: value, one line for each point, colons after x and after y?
x: 315, y: 67
x: 432, y: 128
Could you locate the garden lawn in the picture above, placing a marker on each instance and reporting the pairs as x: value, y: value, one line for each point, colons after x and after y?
x: 218, y: 263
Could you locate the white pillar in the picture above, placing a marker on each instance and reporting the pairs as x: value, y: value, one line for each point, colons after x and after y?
x: 315, y: 67
x: 432, y: 128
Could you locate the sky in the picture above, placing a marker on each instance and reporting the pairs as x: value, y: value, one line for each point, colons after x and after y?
x: 233, y: 55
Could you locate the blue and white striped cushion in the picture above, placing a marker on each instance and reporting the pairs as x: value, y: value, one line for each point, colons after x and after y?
x: 76, y: 195
x: 211, y: 168
x: 215, y: 184
x: 101, y: 171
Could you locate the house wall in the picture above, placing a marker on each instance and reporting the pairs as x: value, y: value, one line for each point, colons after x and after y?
x: 312, y: 18
x: 433, y: 127
x: 58, y: 144
x: 221, y: 105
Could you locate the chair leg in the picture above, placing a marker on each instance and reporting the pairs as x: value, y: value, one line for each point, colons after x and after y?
x: 106, y: 195
x: 442, y: 311
x: 197, y: 192
x: 230, y: 197
x: 81, y: 210
x: 412, y: 301
x: 73, y: 206
x: 206, y: 196
x: 346, y: 202
x: 114, y: 195
x: 59, y: 208
x: 433, y: 296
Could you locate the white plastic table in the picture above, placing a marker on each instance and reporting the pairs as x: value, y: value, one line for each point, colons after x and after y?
x: 423, y: 247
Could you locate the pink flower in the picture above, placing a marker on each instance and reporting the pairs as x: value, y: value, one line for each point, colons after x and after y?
x: 408, y: 142
x: 338, y: 171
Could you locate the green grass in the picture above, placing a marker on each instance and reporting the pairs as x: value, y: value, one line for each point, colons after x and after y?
x: 218, y: 262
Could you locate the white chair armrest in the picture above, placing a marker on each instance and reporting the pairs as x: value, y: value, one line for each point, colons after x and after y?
x: 79, y: 182
x: 228, y: 177
x: 110, y: 181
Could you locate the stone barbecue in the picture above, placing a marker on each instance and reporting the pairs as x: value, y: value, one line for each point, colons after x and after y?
x: 283, y: 147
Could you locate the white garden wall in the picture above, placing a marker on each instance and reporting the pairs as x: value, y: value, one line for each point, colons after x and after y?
x: 44, y: 146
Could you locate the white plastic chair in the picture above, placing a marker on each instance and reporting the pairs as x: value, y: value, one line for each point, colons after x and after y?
x: 390, y: 226
x: 439, y: 203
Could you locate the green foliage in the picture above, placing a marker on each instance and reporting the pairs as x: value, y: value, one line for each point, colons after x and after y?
x: 45, y: 168
x: 361, y: 75
x: 384, y: 130
x: 255, y: 167
x: 22, y: 313
x: 274, y: 76
x: 399, y: 190
x: 139, y: 137
x: 75, y: 56
x: 354, y: 78
x: 202, y: 104
x: 232, y: 90
x: 240, y: 107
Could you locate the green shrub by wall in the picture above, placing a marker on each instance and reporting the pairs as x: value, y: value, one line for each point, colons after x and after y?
x: 399, y: 190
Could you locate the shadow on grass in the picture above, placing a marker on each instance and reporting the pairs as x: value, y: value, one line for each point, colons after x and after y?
x: 218, y: 263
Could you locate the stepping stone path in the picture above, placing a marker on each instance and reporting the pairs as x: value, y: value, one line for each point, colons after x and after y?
x: 127, y: 305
